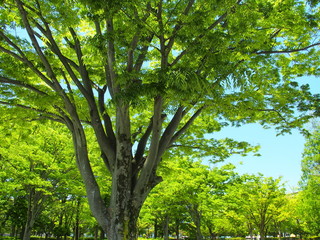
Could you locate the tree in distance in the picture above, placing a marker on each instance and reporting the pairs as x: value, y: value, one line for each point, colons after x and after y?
x: 151, y: 76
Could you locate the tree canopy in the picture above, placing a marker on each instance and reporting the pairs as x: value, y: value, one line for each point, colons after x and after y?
x: 150, y: 76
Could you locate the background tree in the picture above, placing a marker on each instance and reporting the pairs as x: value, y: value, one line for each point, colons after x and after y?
x: 39, y: 163
x: 292, y: 222
x: 75, y: 62
x: 309, y: 196
x: 260, y: 200
x: 188, y: 201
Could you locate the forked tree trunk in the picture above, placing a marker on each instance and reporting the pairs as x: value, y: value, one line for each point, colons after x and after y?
x: 119, y: 219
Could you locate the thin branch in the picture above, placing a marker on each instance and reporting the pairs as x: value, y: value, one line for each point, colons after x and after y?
x: 47, y: 115
x: 22, y: 84
x: 270, y: 110
x: 142, y: 56
x: 177, y: 59
x: 111, y: 56
x: 24, y: 59
x: 289, y: 50
x: 133, y: 45
x: 178, y: 26
x: 34, y: 41
x: 16, y: 56
x: 83, y: 70
x: 194, y: 42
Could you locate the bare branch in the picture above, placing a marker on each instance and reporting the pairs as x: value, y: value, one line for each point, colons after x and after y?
x: 143, y: 54
x: 148, y: 167
x: 111, y: 57
x: 82, y: 68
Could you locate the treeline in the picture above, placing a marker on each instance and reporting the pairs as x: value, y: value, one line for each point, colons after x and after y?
x: 42, y: 194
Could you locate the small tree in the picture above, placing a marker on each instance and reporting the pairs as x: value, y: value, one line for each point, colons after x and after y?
x: 259, y: 200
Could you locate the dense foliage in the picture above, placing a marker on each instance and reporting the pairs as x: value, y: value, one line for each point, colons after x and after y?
x: 147, y: 80
x: 194, y: 200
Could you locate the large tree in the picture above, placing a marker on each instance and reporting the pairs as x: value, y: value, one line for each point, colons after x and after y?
x: 147, y: 76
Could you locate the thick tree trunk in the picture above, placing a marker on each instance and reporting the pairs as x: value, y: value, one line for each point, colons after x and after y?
x: 125, y: 205
x: 130, y: 184
x: 27, y: 231
x: 262, y: 228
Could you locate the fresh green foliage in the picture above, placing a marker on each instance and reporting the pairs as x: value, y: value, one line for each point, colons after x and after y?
x: 149, y: 76
x: 308, y: 208
x: 257, y: 203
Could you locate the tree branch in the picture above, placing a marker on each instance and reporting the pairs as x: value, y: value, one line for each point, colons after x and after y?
x: 48, y: 115
x: 22, y: 84
x: 178, y: 26
x: 34, y: 41
x: 29, y: 64
x: 148, y: 167
x: 186, y: 125
x: 111, y: 57
x: 142, y: 143
x: 289, y: 50
x: 169, y: 131
x: 197, y: 38
x: 106, y: 144
x: 141, y: 57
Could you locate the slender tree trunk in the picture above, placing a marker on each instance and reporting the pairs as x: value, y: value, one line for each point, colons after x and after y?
x: 156, y: 228
x: 77, y: 223
x: 96, y: 232
x: 196, y: 217
x: 177, y: 229
x: 13, y: 230
x: 262, y: 229
x: 27, y: 231
x: 166, y: 228
x: 34, y: 208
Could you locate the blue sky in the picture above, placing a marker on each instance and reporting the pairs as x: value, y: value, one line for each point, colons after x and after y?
x: 280, y: 155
